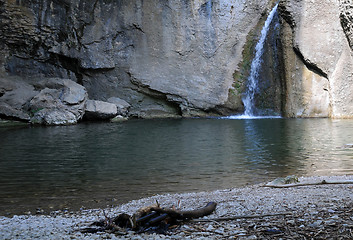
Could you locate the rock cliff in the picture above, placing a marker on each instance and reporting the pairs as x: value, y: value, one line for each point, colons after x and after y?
x: 318, y: 57
x: 164, y: 58
x: 177, y: 58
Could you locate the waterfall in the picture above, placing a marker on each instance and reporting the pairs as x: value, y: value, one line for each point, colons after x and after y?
x: 248, y: 99
x: 209, y: 9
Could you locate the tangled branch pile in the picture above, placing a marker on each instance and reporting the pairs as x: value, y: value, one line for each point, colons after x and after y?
x: 148, y: 219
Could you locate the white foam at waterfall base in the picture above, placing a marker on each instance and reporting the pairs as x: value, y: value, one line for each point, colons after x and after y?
x: 248, y: 100
x: 250, y: 117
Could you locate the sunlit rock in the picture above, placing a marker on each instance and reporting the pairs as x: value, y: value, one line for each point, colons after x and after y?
x: 318, y: 59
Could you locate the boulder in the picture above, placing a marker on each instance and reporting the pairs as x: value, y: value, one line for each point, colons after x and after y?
x: 54, y: 117
x: 122, y: 105
x: 61, y: 102
x: 99, y: 110
x: 72, y: 93
x: 118, y: 119
x: 51, y: 101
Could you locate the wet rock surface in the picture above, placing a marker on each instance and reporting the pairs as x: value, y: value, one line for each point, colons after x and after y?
x: 305, y: 212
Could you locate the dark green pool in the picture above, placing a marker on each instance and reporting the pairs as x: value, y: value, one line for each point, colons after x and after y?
x: 100, y: 164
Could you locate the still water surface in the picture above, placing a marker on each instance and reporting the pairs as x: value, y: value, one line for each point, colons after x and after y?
x: 100, y: 164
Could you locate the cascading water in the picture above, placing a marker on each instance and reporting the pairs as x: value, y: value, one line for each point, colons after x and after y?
x: 249, y: 98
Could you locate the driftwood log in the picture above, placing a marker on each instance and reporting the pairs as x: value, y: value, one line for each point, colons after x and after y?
x: 307, y: 183
x: 151, y: 218
x: 183, y: 215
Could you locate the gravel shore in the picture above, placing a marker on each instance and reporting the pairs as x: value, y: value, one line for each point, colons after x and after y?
x: 303, y: 212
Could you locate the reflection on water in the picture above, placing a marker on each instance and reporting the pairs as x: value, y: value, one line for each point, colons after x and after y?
x: 99, y: 164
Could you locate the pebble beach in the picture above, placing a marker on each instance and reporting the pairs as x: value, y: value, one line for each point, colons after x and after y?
x: 320, y: 211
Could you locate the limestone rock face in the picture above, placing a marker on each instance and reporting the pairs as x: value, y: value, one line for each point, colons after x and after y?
x: 346, y: 16
x: 318, y: 59
x: 165, y: 58
x: 14, y: 97
x: 179, y: 58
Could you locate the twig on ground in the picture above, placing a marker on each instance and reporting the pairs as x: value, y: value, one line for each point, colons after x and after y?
x: 239, y: 217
